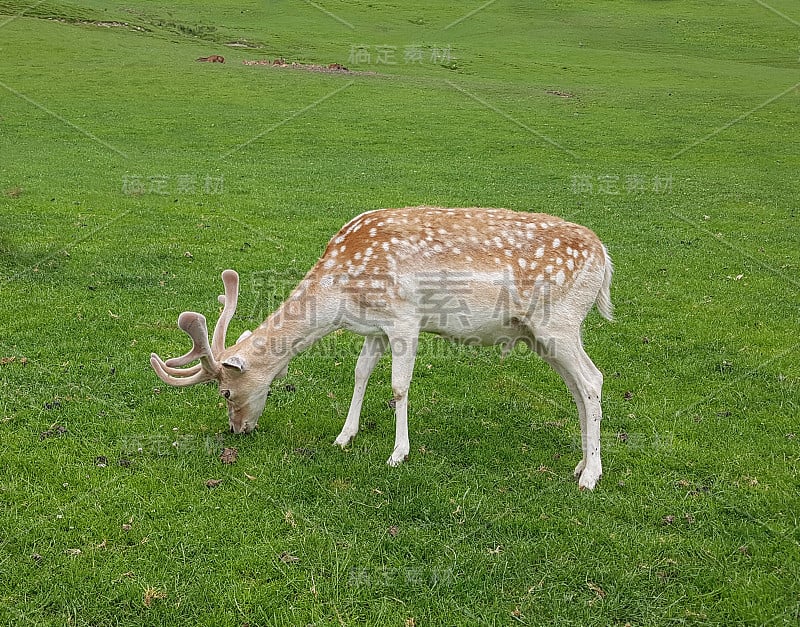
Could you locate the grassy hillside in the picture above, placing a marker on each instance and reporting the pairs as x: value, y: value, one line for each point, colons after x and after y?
x: 133, y: 175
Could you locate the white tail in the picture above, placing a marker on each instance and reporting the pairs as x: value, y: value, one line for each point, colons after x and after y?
x: 480, y: 276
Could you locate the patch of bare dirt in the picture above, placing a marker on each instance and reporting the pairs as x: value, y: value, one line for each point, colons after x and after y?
x: 560, y: 94
x: 331, y: 68
x: 229, y: 456
x: 100, y: 24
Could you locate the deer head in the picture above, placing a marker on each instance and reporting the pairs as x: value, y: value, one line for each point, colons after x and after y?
x: 244, y: 387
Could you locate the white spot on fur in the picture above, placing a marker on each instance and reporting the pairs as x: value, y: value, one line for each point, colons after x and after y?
x: 540, y: 252
x: 522, y: 263
x: 556, y: 243
x: 560, y: 278
x: 326, y: 281
x: 570, y: 265
x: 329, y: 264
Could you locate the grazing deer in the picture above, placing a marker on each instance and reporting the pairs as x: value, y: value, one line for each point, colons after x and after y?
x: 480, y: 276
x: 214, y: 58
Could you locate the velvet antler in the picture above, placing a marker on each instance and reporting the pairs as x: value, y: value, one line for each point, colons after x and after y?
x: 194, y: 325
x: 231, y: 282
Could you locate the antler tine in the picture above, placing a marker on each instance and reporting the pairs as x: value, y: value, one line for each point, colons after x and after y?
x: 194, y: 325
x: 198, y: 349
x: 188, y: 358
x: 182, y: 372
x: 163, y: 372
x: 229, y: 300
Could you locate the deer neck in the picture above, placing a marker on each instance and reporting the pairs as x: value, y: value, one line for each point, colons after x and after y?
x: 292, y: 328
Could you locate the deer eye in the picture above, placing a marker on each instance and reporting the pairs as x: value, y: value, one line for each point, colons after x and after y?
x: 226, y: 394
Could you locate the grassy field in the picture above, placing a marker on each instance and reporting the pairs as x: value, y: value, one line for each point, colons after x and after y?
x: 132, y: 175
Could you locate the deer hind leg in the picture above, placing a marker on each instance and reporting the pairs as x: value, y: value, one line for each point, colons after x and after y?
x: 404, y: 353
x: 371, y: 352
x: 568, y: 358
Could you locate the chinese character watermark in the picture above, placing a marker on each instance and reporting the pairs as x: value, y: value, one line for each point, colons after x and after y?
x: 364, y: 54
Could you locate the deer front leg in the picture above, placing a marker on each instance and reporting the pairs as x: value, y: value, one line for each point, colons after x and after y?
x: 404, y: 353
x: 371, y: 351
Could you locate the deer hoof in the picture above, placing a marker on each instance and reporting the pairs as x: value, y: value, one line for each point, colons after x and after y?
x: 396, y: 459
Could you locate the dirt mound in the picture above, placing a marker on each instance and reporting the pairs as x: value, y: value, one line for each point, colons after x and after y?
x: 280, y: 62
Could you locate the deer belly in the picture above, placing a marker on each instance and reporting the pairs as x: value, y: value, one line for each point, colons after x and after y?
x: 483, y: 314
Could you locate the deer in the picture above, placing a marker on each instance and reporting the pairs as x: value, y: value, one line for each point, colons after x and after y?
x: 472, y: 275
x: 214, y: 58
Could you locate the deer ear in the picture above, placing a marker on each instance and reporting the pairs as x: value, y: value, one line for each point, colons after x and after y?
x: 237, y: 362
x: 244, y: 336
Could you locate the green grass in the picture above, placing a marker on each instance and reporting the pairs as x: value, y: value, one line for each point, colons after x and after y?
x: 677, y: 145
